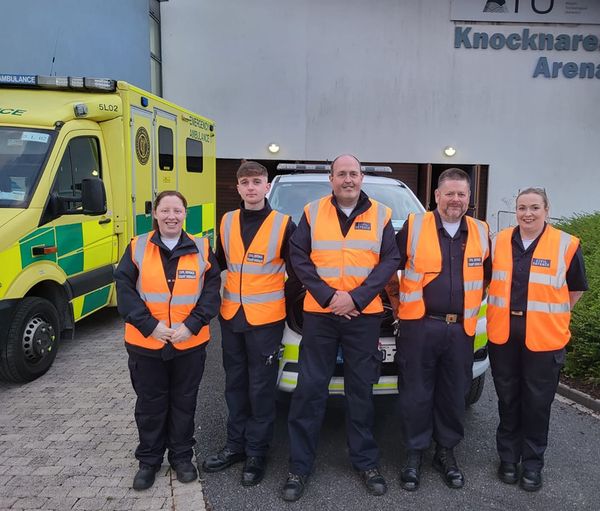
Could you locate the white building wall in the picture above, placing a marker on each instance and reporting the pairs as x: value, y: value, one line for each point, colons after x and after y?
x: 382, y: 79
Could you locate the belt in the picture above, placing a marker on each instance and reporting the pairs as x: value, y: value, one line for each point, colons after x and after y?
x: 517, y: 313
x: 448, y: 318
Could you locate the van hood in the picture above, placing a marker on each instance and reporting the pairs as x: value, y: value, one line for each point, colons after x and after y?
x: 8, y: 214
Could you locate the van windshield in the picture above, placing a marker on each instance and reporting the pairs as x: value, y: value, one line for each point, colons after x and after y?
x: 22, y: 154
x: 290, y: 198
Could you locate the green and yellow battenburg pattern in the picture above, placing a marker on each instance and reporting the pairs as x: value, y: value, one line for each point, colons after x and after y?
x: 70, y: 257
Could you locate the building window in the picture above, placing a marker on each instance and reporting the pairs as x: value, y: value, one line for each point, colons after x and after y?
x: 193, y: 155
x: 155, y: 49
x: 165, y: 148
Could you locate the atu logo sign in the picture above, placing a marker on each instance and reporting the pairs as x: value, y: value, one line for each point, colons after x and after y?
x: 527, y: 11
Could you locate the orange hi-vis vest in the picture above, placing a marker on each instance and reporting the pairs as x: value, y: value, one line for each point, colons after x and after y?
x: 170, y: 308
x: 424, y: 264
x: 256, y: 277
x: 548, y: 305
x: 344, y: 263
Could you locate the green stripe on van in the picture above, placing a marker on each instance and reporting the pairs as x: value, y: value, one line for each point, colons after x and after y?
x: 38, y: 238
x: 95, y: 300
x: 193, y: 221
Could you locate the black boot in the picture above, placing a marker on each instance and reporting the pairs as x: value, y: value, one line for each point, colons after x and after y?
x: 254, y: 470
x: 445, y: 463
x: 410, y: 475
x: 223, y: 459
x: 144, y: 478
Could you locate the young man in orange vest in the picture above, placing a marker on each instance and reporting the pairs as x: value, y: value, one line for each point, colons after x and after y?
x: 343, y: 252
x: 445, y: 261
x: 252, y: 246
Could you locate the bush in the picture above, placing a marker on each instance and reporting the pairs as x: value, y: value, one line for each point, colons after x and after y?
x: 583, y: 352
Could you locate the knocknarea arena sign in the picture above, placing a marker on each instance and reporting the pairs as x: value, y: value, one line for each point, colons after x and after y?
x: 527, y: 11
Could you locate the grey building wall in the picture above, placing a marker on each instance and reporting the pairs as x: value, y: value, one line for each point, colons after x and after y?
x: 98, y: 38
x: 382, y: 79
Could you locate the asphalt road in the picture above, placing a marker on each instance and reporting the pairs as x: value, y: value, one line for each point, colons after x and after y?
x: 571, y: 476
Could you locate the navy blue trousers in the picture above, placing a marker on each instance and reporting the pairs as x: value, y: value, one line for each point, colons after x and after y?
x: 321, y: 336
x: 166, y: 403
x: 525, y: 382
x: 250, y: 362
x: 435, y: 370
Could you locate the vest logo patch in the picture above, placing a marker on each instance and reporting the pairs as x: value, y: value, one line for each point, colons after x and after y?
x: 474, y: 261
x: 362, y: 226
x: 255, y: 258
x: 544, y: 263
x: 186, y: 274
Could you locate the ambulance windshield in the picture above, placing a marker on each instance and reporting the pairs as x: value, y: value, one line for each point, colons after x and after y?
x: 22, y: 154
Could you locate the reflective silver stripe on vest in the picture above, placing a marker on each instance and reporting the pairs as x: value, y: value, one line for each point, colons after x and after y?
x: 202, y: 263
x: 415, y: 296
x: 472, y: 285
x: 471, y: 313
x: 328, y: 272
x: 548, y: 280
x: 499, y: 275
x: 155, y: 297
x: 251, y: 299
x: 267, y: 269
x: 483, y: 237
x: 410, y: 274
x: 313, y: 210
x: 381, y: 213
x: 138, y: 257
x: 357, y: 271
x: 184, y: 299
x: 274, y: 236
x: 373, y: 246
x: 552, y: 308
x: 227, y: 221
x: 414, y: 240
x: 498, y: 301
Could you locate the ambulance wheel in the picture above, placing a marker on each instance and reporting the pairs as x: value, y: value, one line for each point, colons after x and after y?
x: 32, y: 341
x: 475, y: 390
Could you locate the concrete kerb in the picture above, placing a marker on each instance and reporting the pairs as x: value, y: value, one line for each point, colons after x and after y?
x: 579, y: 397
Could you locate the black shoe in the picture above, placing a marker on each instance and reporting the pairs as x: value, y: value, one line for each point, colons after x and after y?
x: 186, y: 471
x: 254, y: 470
x: 223, y: 459
x: 445, y: 463
x: 293, y: 487
x: 531, y: 480
x: 144, y: 478
x: 410, y: 475
x: 508, y: 472
x: 374, y: 481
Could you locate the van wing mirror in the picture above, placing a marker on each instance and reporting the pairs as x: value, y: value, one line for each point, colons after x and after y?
x: 93, y: 196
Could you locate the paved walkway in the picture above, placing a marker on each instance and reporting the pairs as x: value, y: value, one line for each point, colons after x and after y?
x: 67, y: 439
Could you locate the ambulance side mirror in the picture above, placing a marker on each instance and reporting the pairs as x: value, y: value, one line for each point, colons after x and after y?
x: 93, y: 196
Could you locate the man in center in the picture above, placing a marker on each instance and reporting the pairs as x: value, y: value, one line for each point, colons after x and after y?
x: 344, y: 252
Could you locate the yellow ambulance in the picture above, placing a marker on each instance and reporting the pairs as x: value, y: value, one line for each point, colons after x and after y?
x: 81, y: 160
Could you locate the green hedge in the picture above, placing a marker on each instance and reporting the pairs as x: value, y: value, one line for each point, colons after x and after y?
x: 583, y: 352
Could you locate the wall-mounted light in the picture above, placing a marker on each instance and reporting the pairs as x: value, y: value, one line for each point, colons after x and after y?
x: 273, y: 148
x: 449, y: 151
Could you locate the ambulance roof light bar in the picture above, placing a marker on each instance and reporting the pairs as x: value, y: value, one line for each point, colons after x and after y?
x: 296, y: 168
x: 58, y: 82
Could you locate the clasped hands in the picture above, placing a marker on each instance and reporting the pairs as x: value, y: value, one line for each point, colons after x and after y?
x: 163, y: 333
x: 341, y: 304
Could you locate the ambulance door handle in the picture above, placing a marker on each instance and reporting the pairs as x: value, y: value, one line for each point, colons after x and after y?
x: 104, y: 221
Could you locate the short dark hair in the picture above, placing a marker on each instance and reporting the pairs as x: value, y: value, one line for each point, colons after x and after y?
x: 340, y: 156
x: 251, y: 168
x: 455, y: 174
x: 161, y: 196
